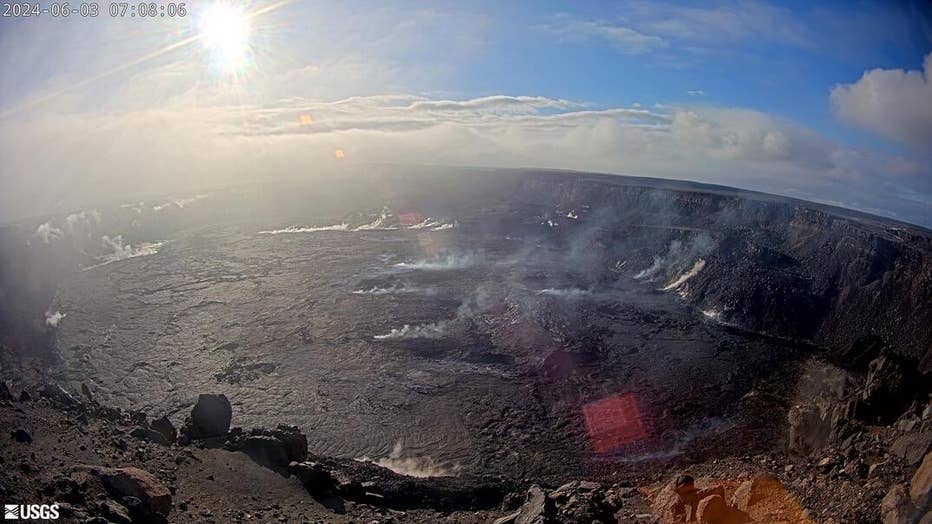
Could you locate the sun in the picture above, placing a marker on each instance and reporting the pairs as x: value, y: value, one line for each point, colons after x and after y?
x: 225, y: 33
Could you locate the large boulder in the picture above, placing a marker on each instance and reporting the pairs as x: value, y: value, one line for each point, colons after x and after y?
x: 210, y: 417
x: 154, y: 497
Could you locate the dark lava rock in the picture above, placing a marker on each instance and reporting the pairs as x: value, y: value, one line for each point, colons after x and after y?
x: 911, y: 447
x: 155, y: 498
x: 585, y: 502
x: 316, y: 478
x: 893, y: 382
x: 86, y: 391
x: 149, y: 435
x: 273, y: 448
x: 115, y: 512
x: 21, y: 435
x: 5, y: 394
x: 210, y: 417
x: 826, y: 415
x: 57, y: 394
x: 166, y: 428
x: 24, y: 396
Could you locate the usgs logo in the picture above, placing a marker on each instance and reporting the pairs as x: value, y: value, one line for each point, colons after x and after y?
x: 30, y: 511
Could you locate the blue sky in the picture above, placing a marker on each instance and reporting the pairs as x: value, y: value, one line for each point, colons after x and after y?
x: 827, y: 101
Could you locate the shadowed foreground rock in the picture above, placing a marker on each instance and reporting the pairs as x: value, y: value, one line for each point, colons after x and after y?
x: 146, y: 498
x: 210, y: 417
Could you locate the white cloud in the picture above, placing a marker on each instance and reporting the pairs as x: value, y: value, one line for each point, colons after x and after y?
x: 894, y: 103
x: 180, y: 146
x: 653, y: 27
x: 625, y: 39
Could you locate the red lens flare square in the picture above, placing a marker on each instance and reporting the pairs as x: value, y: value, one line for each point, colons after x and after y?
x: 613, y: 422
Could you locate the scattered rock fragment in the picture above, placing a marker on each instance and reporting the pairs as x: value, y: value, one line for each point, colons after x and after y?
x: 166, y: 428
x: 5, y: 394
x: 21, y: 435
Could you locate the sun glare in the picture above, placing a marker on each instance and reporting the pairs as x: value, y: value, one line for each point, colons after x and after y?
x: 225, y: 32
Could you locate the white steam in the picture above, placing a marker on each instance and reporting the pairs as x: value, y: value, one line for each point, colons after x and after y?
x: 428, y: 331
x: 122, y: 251
x: 53, y: 318
x: 395, y: 290
x: 180, y: 203
x: 423, y: 466
x: 84, y: 219
x: 440, y: 263
x: 427, y: 223
x: 697, y: 267
x: 573, y: 292
x: 382, y: 223
x: 468, y: 309
x: 295, y: 229
x: 677, y: 256
x: 47, y: 232
x: 432, y: 225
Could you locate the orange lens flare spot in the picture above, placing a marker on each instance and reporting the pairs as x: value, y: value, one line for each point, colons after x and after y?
x: 613, y: 422
x: 306, y: 120
x: 339, y: 154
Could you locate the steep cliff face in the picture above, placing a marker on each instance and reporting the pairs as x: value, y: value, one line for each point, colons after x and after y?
x: 840, y: 279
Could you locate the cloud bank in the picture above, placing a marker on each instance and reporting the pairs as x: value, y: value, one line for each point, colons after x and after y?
x: 158, y: 150
x: 893, y: 103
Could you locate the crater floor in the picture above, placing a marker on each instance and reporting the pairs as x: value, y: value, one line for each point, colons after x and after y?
x: 433, y: 352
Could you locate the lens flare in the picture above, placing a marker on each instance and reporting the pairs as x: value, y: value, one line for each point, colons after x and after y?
x: 225, y: 33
